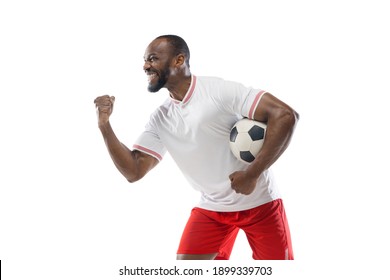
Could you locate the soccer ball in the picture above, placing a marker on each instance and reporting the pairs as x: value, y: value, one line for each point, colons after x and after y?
x: 246, y: 139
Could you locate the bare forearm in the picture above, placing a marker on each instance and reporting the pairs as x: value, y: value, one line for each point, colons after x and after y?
x: 132, y: 164
x: 279, y: 133
x: 122, y: 156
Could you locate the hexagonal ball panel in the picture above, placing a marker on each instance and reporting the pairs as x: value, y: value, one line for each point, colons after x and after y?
x: 256, y: 133
x: 247, y: 156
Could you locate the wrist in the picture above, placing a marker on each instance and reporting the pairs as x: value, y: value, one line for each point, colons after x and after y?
x: 254, y: 171
x: 104, y: 126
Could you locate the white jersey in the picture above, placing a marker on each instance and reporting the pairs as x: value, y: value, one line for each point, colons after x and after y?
x: 195, y: 131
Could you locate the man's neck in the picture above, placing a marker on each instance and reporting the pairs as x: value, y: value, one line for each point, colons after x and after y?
x: 179, y: 90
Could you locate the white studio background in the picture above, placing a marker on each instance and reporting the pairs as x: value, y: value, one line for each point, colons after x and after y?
x: 66, y: 213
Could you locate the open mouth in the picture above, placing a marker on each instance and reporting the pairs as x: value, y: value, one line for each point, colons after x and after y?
x: 151, y: 76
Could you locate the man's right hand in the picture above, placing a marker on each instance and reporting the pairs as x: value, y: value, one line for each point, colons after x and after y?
x: 104, y: 107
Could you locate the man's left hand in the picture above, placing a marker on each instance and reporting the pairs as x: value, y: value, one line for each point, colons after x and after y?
x: 242, y: 182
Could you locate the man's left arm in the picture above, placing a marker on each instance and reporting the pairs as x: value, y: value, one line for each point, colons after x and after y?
x: 281, y: 120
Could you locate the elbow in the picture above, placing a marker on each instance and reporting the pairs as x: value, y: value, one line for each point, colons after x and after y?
x: 290, y: 117
x: 132, y: 179
x: 295, y: 117
x: 286, y: 119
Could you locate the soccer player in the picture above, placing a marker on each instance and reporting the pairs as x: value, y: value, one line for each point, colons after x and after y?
x: 193, y: 125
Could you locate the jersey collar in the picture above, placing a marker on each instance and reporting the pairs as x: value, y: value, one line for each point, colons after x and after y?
x: 189, y: 93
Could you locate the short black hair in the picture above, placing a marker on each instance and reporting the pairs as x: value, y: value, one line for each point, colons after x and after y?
x: 179, y: 46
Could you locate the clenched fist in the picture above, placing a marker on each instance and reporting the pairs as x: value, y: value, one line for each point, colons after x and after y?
x: 242, y: 182
x: 104, y: 107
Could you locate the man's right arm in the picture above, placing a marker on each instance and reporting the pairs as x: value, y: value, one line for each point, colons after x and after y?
x: 133, y: 165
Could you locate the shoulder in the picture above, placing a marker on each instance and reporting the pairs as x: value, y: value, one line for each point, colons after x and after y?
x: 217, y: 82
x: 212, y: 85
x: 209, y: 80
x: 220, y: 87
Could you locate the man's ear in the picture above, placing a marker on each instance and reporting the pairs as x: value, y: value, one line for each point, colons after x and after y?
x: 180, y: 60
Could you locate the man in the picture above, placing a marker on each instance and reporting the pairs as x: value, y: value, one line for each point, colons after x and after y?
x: 193, y: 125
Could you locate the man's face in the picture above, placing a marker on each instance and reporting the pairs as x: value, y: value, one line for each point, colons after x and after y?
x: 157, y: 64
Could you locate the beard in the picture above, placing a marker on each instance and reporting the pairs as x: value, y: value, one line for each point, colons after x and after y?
x: 162, y: 79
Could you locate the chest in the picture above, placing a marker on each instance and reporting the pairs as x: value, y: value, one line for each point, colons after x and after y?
x: 197, y: 122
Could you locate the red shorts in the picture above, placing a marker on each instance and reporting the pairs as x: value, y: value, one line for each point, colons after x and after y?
x: 265, y: 226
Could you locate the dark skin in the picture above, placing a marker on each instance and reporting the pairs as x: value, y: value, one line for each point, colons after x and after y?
x: 164, y: 65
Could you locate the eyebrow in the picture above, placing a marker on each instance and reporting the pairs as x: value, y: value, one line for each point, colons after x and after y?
x: 149, y: 55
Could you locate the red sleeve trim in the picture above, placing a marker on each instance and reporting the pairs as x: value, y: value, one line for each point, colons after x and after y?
x: 255, y: 103
x: 148, y: 151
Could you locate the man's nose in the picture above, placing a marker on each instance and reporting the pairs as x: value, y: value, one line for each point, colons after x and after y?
x: 146, y: 65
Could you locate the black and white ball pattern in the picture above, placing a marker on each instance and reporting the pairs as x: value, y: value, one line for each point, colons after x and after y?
x: 246, y: 139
